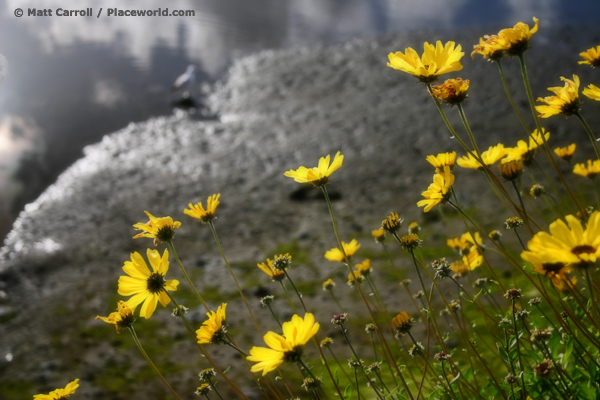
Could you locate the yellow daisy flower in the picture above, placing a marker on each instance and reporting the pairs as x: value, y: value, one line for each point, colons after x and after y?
x: 591, y: 57
x: 566, y: 153
x: 464, y: 242
x: 490, y: 157
x: 59, y: 394
x: 160, y: 229
x: 329, y: 284
x: 566, y: 102
x: 402, y: 323
x: 442, y: 160
x: 510, y: 170
x: 204, y: 215
x: 468, y: 262
x: 526, y: 152
x: 439, y: 191
x: 336, y: 254
x: 568, y: 244
x: 269, y: 269
x: 145, y: 286
x: 378, y: 235
x: 364, y: 267
x: 289, y: 347
x: 213, y: 330
x: 546, y: 263
x: 318, y: 176
x: 122, y: 318
x: 491, y: 47
x: 452, y: 91
x: 515, y: 40
x: 354, y: 277
x: 435, y: 61
x: 591, y: 171
x: 592, y: 92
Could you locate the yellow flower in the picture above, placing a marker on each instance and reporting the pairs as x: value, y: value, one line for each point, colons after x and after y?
x: 591, y: 56
x: 592, y: 92
x: 296, y: 333
x: 378, y: 235
x: 452, y: 91
x: 591, y: 171
x: 464, y: 242
x: 491, y: 47
x: 198, y: 212
x: 490, y: 157
x: 59, y: 394
x: 515, y: 41
x: 364, y: 267
x: 414, y: 227
x: 329, y: 284
x: 336, y: 254
x: 468, y: 263
x: 567, y: 244
x: 439, y: 191
x: 566, y: 102
x: 213, y: 329
x: 442, y: 160
x: 147, y: 287
x: 510, y: 170
x: 122, y: 318
x: 354, y: 277
x: 435, y: 61
x: 402, y: 323
x: 392, y: 223
x: 275, y: 274
x: 526, y: 152
x: 566, y: 153
x: 318, y: 176
x: 160, y: 229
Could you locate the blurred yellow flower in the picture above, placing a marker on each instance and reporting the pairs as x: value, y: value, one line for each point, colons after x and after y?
x: 526, y: 152
x: 468, y: 262
x: 591, y: 171
x: 566, y: 102
x: 275, y: 274
x: 591, y: 57
x: 442, y: 160
x: 566, y: 153
x: 402, y: 323
x: 491, y: 47
x: 329, y: 284
x: 364, y: 267
x: 147, y: 287
x: 452, y: 91
x: 592, y: 92
x: 378, y: 235
x: 160, y: 229
x: 464, y: 242
x: 296, y: 333
x: 354, y: 277
x: 435, y: 61
x: 122, y: 318
x: 490, y: 157
x: 515, y: 40
x: 439, y: 191
x: 336, y: 254
x: 392, y: 223
x: 204, y: 215
x: 213, y: 329
x: 510, y: 170
x: 567, y: 242
x: 59, y: 394
x: 318, y: 176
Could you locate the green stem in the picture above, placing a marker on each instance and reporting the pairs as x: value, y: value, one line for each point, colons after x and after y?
x: 274, y: 316
x: 242, y: 352
x: 139, y: 345
x: 186, y: 276
x: 588, y: 280
x: 514, y: 318
x: 214, y: 387
x: 522, y: 205
x: 463, y: 117
x: 289, y: 299
x: 588, y: 130
x: 296, y: 290
x: 510, y: 99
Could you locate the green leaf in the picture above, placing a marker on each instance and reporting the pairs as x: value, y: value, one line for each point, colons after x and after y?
x: 336, y: 377
x: 347, y: 392
x: 227, y: 370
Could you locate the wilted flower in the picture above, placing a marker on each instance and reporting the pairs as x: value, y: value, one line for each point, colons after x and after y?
x: 416, y: 350
x: 537, y: 191
x: 514, y: 223
x: 267, y: 301
x: 491, y: 47
x: 207, y: 374
x: 511, y: 170
x: 122, y: 318
x: 392, y: 223
x: 513, y: 294
x: 339, y: 319
x: 414, y: 227
x: 515, y: 40
x: 495, y: 235
x: 442, y: 268
x: 452, y: 91
x: 543, y: 369
x: 310, y: 384
x: 203, y: 389
x: 410, y: 242
x: 402, y: 323
x: 326, y: 342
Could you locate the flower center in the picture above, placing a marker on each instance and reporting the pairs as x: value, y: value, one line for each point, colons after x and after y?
x: 165, y: 233
x: 155, y: 283
x: 553, y: 268
x: 583, y: 249
x: 293, y: 355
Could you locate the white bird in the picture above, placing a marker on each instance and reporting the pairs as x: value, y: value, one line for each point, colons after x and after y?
x: 185, y: 81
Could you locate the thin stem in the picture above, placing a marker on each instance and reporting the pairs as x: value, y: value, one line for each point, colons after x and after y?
x: 522, y: 205
x: 510, y: 99
x: 274, y: 316
x: 242, y: 352
x: 588, y: 130
x: 296, y: 290
x: 588, y: 280
x: 186, y: 276
x: 514, y: 318
x: 287, y: 295
x: 139, y: 345
x: 214, y: 387
x: 463, y: 117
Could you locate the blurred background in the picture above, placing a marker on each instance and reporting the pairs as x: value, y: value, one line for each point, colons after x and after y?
x: 72, y: 80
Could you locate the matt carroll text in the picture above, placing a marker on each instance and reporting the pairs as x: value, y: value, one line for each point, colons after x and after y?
x: 59, y: 12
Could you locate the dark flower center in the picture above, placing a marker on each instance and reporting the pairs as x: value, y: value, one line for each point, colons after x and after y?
x: 583, y: 249
x: 293, y: 355
x: 165, y: 233
x: 553, y: 268
x: 155, y: 283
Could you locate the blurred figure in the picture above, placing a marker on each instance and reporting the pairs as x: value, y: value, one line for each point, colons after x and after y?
x: 185, y: 81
